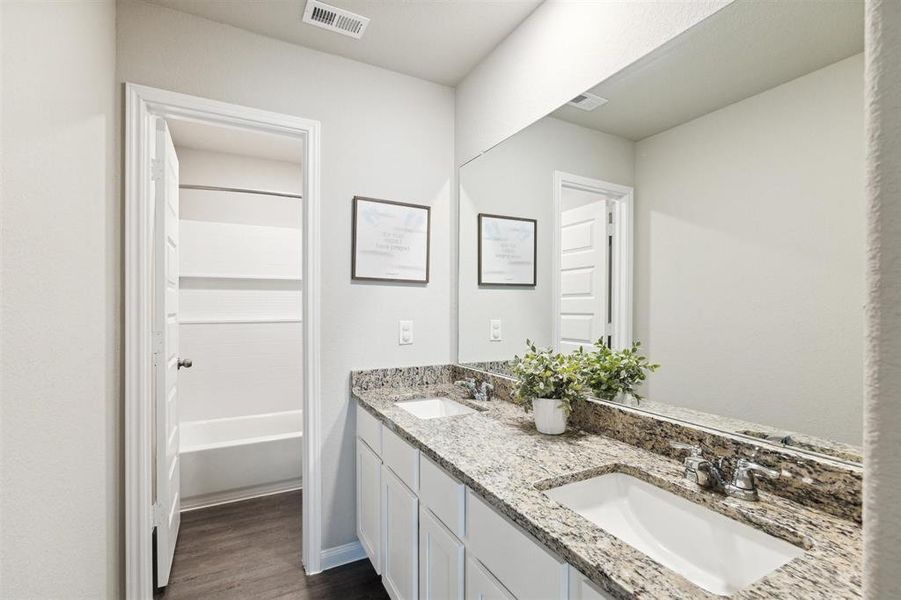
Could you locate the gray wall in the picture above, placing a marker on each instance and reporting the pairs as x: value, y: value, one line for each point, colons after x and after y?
x: 516, y: 178
x: 749, y: 248
x: 60, y: 333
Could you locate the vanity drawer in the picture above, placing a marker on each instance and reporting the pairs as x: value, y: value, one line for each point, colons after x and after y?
x: 520, y: 563
x: 401, y: 457
x: 369, y: 429
x: 443, y: 495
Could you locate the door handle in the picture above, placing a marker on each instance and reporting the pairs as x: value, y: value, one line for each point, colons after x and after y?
x: 187, y: 363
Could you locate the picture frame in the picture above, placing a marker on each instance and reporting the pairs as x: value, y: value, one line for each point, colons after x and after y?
x: 508, y: 250
x: 390, y: 241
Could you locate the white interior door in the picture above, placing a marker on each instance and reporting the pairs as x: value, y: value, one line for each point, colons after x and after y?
x: 165, y: 352
x: 584, y: 269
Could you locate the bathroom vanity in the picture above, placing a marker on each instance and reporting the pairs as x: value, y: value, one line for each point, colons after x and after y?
x: 479, y: 505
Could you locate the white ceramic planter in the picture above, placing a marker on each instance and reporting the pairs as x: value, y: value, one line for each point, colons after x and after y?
x: 550, y: 417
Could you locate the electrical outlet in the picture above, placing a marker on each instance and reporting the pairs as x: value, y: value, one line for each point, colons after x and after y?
x: 405, y: 333
x: 494, y: 330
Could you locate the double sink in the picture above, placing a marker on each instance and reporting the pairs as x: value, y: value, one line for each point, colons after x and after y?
x: 712, y: 551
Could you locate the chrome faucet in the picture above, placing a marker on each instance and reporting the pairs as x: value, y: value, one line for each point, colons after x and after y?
x: 744, y: 479
x: 481, y: 392
x: 741, y: 482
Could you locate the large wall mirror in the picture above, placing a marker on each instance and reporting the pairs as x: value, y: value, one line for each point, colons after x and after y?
x: 707, y: 201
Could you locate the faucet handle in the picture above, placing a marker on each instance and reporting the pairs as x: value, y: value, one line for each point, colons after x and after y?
x: 693, y: 450
x: 693, y: 464
x: 743, y: 465
x: 744, y: 479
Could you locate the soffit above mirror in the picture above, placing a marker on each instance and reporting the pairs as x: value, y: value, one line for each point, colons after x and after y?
x: 759, y: 45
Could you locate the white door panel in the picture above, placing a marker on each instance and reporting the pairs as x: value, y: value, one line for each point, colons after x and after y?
x: 583, y: 270
x: 165, y: 356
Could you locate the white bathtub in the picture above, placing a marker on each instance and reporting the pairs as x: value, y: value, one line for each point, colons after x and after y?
x: 224, y: 460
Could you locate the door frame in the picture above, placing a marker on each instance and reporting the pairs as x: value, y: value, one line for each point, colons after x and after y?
x: 142, y: 104
x: 622, y: 199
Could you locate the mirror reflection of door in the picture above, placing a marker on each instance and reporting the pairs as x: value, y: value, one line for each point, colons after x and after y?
x: 585, y: 269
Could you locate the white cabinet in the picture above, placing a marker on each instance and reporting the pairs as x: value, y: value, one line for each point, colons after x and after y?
x: 400, y: 538
x: 481, y: 584
x: 369, y: 429
x: 369, y: 495
x: 440, y: 560
x: 443, y: 495
x: 412, y: 516
x: 401, y: 457
x: 521, y: 563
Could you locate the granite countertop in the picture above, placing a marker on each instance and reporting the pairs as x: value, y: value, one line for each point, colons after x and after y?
x: 498, y: 453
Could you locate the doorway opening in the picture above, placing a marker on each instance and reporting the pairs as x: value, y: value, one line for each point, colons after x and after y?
x: 222, y: 373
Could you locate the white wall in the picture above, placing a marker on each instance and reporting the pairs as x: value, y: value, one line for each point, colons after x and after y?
x: 253, y: 366
x: 384, y: 135
x: 558, y: 52
x: 516, y: 179
x: 882, y: 452
x: 749, y: 247
x: 60, y: 334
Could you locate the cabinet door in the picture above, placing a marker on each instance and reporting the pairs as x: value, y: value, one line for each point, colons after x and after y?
x: 369, y: 496
x: 440, y: 560
x: 400, y: 538
x: 481, y: 584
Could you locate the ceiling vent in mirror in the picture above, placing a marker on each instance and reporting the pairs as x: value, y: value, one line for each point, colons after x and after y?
x: 587, y: 101
x: 334, y: 19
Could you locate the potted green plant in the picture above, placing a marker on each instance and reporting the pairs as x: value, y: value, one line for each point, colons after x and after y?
x: 549, y: 382
x: 614, y: 374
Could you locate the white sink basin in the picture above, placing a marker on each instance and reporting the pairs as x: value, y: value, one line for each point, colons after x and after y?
x: 709, y: 549
x: 434, y: 408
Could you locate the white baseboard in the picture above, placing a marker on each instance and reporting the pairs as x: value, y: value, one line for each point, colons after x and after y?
x: 341, y: 555
x: 208, y: 500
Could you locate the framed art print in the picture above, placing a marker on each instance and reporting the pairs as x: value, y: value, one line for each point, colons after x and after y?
x: 390, y: 241
x: 507, y: 250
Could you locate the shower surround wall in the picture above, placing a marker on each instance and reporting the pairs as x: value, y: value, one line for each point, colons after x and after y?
x: 240, y: 305
x: 240, y: 299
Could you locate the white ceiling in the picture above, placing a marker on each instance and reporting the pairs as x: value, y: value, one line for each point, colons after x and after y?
x: 233, y: 140
x: 742, y: 50
x: 437, y: 40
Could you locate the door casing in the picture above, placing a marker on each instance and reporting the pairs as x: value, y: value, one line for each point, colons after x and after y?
x: 142, y: 104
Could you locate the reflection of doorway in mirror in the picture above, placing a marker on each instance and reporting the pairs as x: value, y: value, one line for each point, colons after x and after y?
x: 584, y: 270
x: 592, y: 294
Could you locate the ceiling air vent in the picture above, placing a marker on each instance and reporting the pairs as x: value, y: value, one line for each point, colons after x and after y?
x: 587, y: 101
x: 334, y: 19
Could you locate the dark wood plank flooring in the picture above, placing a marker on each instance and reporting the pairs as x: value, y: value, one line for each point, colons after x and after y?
x: 251, y: 549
